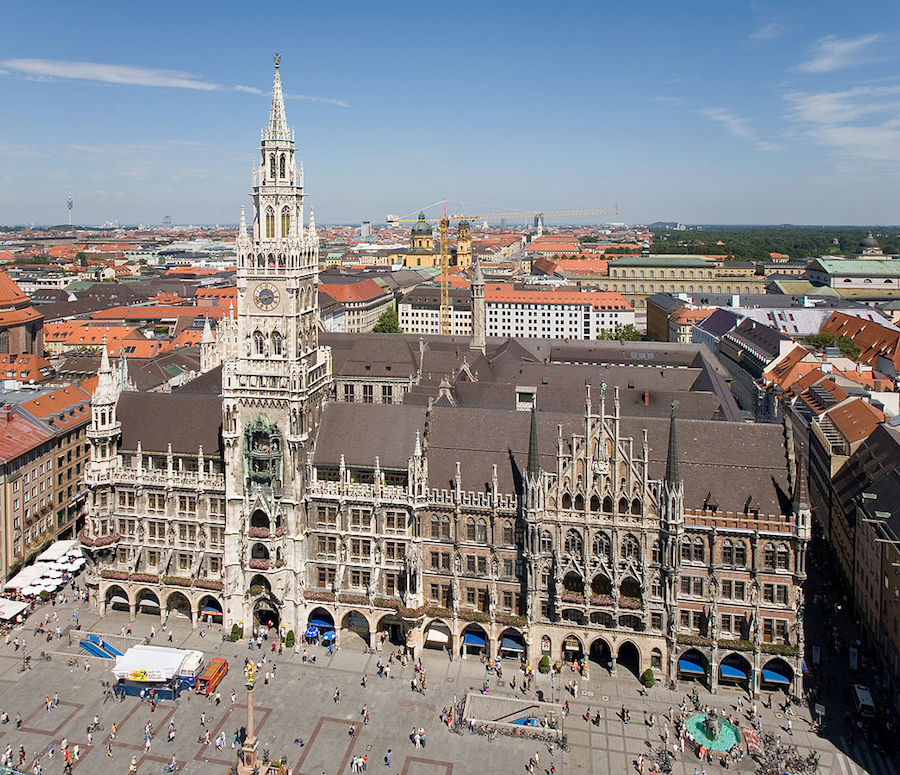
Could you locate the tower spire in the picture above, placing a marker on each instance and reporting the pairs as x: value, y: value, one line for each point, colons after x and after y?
x: 534, y: 466
x: 672, y: 475
x: 277, y: 128
x: 242, y: 229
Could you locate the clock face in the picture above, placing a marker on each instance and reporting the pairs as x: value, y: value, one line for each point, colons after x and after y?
x: 266, y: 297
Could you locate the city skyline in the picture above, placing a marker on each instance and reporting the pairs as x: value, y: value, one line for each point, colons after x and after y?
x: 756, y: 114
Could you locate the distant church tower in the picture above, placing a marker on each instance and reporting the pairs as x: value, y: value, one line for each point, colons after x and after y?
x: 463, y: 245
x: 273, y: 387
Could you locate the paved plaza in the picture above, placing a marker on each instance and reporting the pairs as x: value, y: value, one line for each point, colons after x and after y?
x: 298, y: 703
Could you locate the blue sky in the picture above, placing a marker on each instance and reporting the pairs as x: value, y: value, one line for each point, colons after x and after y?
x: 713, y: 112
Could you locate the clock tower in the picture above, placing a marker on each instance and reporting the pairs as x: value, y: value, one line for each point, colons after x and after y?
x: 273, y: 387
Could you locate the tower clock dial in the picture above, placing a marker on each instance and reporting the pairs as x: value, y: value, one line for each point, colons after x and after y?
x: 266, y: 296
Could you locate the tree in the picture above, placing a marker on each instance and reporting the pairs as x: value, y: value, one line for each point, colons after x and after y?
x: 626, y: 333
x: 849, y: 348
x: 388, y: 322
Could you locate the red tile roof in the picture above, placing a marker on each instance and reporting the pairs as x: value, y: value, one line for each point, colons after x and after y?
x: 10, y: 293
x: 66, y: 407
x: 353, y: 292
x: 25, y: 367
x: 856, y: 419
x: 507, y: 293
x: 875, y: 341
x: 18, y: 435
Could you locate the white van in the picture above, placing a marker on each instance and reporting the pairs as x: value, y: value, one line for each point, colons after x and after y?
x: 862, y: 698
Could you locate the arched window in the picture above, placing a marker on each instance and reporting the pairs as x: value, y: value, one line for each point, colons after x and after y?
x: 435, y: 526
x: 699, y: 550
x: 270, y: 223
x: 608, y: 504
x: 655, y: 553
x: 481, y: 532
x: 285, y: 222
x: 686, y: 550
x: 623, y: 505
x: 445, y: 526
x: 566, y: 501
x: 509, y: 535
x: 740, y: 554
x: 281, y: 167
x: 277, y: 344
x: 769, y: 557
x: 636, y: 507
x: 783, y: 558
x: 272, y: 166
x: 546, y: 541
x: 259, y: 343
x: 470, y: 529
x: 595, y: 503
x: 574, y: 544
x: 631, y: 549
x: 579, y: 502
x: 601, y: 545
x: 727, y: 553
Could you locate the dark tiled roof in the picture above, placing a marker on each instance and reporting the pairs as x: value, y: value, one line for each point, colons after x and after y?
x: 183, y: 420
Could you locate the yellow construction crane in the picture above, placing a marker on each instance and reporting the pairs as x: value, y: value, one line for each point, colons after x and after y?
x: 444, y: 225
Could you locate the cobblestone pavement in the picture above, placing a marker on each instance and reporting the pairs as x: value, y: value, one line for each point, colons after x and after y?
x: 298, y: 703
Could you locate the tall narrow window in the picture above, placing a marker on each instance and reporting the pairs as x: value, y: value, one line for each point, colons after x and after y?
x: 281, y: 167
x: 277, y: 344
x: 270, y: 221
x: 285, y: 222
x: 272, y: 166
x: 259, y: 343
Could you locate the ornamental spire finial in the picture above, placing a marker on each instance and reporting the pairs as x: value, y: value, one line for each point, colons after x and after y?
x: 277, y: 60
x: 277, y: 128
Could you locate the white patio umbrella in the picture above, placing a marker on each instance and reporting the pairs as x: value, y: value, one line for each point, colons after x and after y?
x: 51, y: 573
x: 33, y: 589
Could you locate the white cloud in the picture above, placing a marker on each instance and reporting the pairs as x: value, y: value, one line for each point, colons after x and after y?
x: 768, y: 32
x: 833, y: 53
x: 861, y: 123
x: 129, y: 75
x: 106, y: 73
x: 739, y: 127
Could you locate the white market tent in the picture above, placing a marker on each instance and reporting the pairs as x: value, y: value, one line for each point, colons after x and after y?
x: 153, y: 663
x: 10, y: 609
x: 25, y: 577
x: 56, y: 551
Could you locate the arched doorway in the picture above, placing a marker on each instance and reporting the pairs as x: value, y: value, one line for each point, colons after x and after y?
x: 259, y: 519
x: 601, y: 654
x: 117, y: 599
x: 735, y: 669
x: 177, y: 604
x: 437, y: 635
x: 357, y: 624
x: 777, y: 674
x: 630, y: 658
x: 693, y: 665
x: 512, y: 644
x: 210, y: 610
x: 147, y: 602
x: 391, y: 629
x: 572, y: 649
x: 259, y: 585
x: 265, y: 613
x: 474, y: 641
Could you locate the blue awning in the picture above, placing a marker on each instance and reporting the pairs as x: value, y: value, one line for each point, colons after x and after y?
x: 687, y: 666
x: 730, y: 671
x: 510, y: 644
x: 773, y: 677
x: 471, y: 639
x: 328, y: 636
x: 321, y: 624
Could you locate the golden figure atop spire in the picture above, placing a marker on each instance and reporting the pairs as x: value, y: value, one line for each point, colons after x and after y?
x: 277, y: 59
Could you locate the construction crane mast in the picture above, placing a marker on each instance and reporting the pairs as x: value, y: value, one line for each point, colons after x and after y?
x: 444, y: 227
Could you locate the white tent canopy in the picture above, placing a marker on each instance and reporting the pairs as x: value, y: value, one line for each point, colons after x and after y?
x: 153, y: 663
x: 25, y: 577
x: 9, y: 609
x: 56, y: 550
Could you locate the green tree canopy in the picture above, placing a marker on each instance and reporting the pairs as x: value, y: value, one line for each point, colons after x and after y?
x: 388, y: 322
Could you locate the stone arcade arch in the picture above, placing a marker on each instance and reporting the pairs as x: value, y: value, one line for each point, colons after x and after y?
x: 147, y: 602
x: 209, y: 608
x: 475, y: 641
x: 437, y: 635
x: 177, y: 604
x: 117, y: 599
x: 630, y: 657
x: 357, y: 627
x: 601, y: 653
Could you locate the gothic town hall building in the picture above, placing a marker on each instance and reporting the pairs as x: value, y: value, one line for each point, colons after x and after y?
x: 518, y: 498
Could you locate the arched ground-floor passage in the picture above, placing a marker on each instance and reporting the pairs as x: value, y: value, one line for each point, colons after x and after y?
x: 693, y: 665
x: 601, y: 654
x: 178, y: 605
x: 265, y: 612
x: 437, y: 635
x: 210, y: 610
x: 147, y: 602
x: 735, y: 669
x: 630, y: 658
x: 117, y: 599
x: 572, y: 649
x: 357, y: 628
x: 391, y: 629
x: 474, y: 641
x: 511, y: 645
x: 777, y: 674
